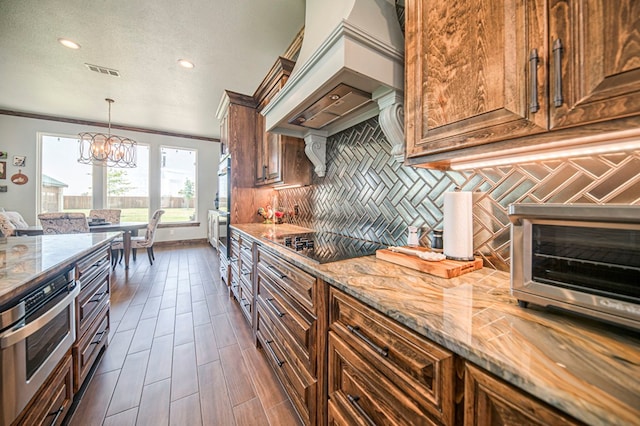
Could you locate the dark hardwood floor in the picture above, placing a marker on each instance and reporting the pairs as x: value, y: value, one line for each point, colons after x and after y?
x: 180, y: 351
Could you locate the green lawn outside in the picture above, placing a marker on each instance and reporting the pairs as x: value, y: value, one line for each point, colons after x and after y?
x: 142, y: 215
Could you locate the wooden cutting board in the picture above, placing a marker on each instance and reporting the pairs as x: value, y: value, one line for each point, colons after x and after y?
x: 444, y: 268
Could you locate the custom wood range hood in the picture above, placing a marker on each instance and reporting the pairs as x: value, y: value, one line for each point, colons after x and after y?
x: 350, y: 68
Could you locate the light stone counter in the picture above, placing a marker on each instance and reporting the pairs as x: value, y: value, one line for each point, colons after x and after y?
x: 26, y: 260
x: 586, y: 368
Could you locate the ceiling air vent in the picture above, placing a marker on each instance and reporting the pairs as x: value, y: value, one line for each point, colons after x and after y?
x: 103, y: 70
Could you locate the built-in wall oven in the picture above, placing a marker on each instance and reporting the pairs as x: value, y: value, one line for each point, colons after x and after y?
x: 579, y: 258
x: 36, y: 331
x: 220, y: 216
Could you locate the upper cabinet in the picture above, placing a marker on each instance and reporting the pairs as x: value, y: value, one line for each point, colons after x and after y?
x: 485, y: 71
x: 280, y: 159
x: 594, y: 61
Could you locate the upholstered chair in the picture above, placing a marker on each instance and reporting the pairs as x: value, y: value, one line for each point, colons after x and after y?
x: 63, y: 223
x: 137, y: 242
x: 109, y: 215
x: 10, y: 221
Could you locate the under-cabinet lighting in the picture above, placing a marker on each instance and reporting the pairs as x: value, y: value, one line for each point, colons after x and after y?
x: 68, y: 43
x: 278, y: 188
x: 565, y: 149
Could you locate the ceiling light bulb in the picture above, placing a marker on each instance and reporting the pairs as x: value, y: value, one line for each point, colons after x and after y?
x: 185, y: 64
x: 68, y: 43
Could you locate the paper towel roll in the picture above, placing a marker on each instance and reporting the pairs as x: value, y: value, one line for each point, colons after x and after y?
x: 458, y: 225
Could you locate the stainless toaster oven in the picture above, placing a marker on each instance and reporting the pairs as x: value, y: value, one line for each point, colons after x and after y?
x: 578, y: 257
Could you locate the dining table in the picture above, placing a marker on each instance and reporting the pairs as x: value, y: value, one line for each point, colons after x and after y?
x: 128, y: 230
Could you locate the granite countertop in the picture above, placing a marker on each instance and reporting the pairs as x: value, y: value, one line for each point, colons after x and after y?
x: 23, y: 260
x: 583, y: 367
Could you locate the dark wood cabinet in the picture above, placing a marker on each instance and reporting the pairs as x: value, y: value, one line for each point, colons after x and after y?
x: 245, y: 270
x: 343, y: 362
x: 489, y: 401
x: 468, y: 75
x: 382, y: 373
x: 280, y: 159
x: 238, y: 123
x: 92, y: 312
x: 52, y: 402
x: 234, y: 262
x: 594, y: 61
x: 485, y: 75
x: 289, y: 330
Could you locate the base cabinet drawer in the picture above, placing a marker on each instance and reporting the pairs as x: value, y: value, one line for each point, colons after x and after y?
x: 299, y: 284
x: 91, y: 300
x: 418, y: 376
x: 296, y: 323
x: 490, y: 401
x: 301, y: 387
x: 245, y: 300
x: 360, y: 393
x: 52, y: 402
x: 224, y: 268
x: 88, y: 347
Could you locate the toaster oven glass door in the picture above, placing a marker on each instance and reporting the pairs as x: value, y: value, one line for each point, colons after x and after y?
x: 602, y: 261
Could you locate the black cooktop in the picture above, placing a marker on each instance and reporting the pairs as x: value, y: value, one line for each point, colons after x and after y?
x: 324, y: 247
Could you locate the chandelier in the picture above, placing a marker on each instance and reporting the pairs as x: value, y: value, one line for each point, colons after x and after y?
x: 107, y: 150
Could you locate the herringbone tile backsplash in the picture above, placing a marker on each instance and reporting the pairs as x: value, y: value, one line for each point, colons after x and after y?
x: 366, y: 194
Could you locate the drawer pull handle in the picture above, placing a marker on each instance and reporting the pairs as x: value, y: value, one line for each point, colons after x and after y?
x: 99, y: 336
x: 534, y: 59
x: 234, y: 259
x: 384, y: 352
x: 56, y: 414
x: 273, y: 306
x: 557, y: 59
x: 97, y: 297
x: 245, y: 272
x: 246, y: 248
x: 278, y: 273
x: 273, y: 354
x: 353, y: 399
x: 245, y: 300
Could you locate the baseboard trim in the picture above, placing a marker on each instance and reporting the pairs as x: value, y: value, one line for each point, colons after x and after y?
x: 196, y: 241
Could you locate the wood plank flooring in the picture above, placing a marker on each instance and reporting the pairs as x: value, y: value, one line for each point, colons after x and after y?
x: 180, y: 351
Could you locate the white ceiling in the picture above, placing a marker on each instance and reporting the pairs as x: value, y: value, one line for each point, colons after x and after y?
x: 232, y: 43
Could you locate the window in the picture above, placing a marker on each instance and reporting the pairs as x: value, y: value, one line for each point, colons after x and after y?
x: 165, y: 177
x: 178, y: 184
x: 128, y: 189
x: 66, y: 185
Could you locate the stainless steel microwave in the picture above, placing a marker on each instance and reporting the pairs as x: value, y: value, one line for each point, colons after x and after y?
x: 578, y: 257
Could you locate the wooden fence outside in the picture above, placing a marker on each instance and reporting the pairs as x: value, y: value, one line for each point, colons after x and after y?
x: 73, y: 202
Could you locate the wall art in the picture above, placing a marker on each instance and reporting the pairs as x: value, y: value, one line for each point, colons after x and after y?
x: 19, y: 178
x: 19, y: 160
x: 3, y: 169
x: 3, y: 155
x: 3, y: 188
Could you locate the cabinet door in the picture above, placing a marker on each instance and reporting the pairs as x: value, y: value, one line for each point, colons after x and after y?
x: 469, y: 76
x: 269, y: 154
x: 491, y: 402
x: 596, y: 74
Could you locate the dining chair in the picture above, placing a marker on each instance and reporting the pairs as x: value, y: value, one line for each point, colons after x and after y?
x: 63, y: 223
x: 137, y: 242
x: 109, y: 215
x: 10, y: 221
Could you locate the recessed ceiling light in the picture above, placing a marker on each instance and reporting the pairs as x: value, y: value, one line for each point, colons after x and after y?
x: 185, y: 64
x: 68, y: 43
